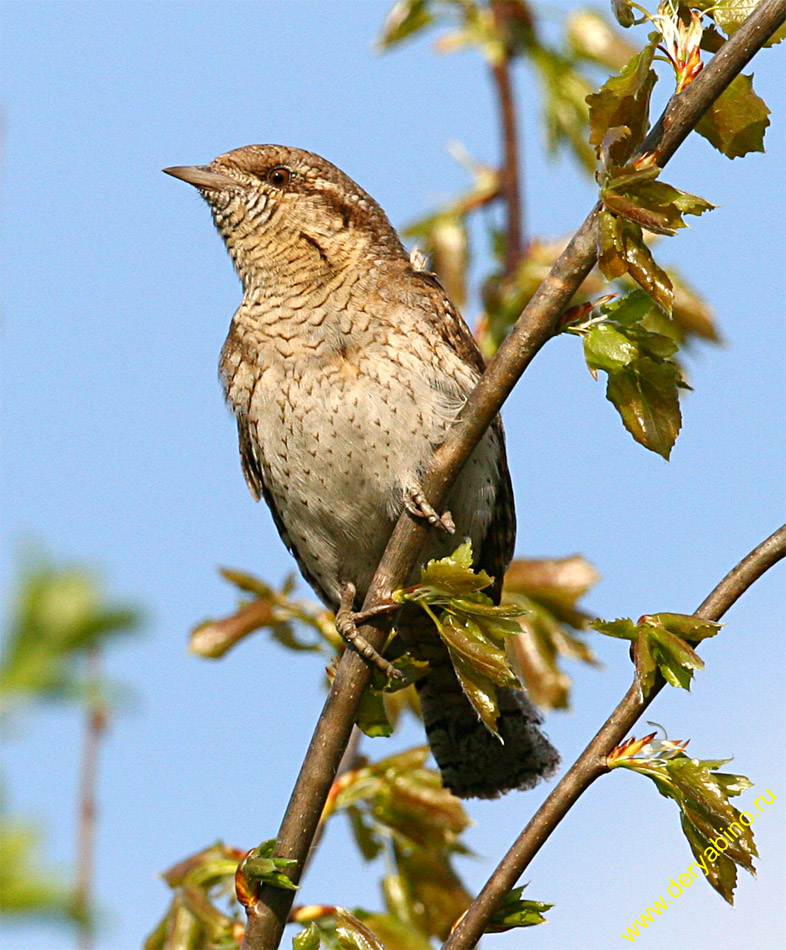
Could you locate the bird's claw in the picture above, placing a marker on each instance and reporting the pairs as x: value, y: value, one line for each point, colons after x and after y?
x: 347, y: 621
x: 419, y: 506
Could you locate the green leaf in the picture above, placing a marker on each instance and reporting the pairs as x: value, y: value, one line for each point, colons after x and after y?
x: 645, y: 395
x: 654, y: 205
x: 353, y: 934
x: 366, y: 835
x: 405, y: 20
x: 472, y: 627
x: 307, y: 939
x: 623, y: 103
x: 399, y: 797
x: 515, y: 912
x: 643, y: 379
x: 621, y: 249
x: 480, y: 691
x: 628, y: 309
x: 59, y: 613
x: 426, y: 890
x: 622, y: 629
x: 688, y: 627
x: 735, y: 123
x: 718, y: 838
x: 660, y: 642
x: 259, y: 865
x: 728, y: 14
x: 611, y: 251
x: 394, y: 932
x: 609, y: 348
x: 642, y: 267
x: 372, y: 719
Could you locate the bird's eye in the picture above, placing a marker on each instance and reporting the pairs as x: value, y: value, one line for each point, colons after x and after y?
x: 279, y: 176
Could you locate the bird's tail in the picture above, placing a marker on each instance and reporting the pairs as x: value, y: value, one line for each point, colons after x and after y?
x: 473, y: 762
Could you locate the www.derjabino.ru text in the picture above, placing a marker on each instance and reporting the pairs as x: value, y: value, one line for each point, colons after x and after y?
x: 688, y: 876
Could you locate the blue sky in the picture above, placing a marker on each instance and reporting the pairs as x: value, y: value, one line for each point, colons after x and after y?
x: 119, y: 452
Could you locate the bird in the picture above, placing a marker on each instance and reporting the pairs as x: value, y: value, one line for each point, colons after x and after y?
x: 345, y: 365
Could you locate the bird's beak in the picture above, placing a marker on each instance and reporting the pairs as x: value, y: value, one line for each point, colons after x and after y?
x: 202, y: 176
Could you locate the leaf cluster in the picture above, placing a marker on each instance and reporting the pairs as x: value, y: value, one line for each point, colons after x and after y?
x: 644, y: 377
x: 59, y: 614
x: 548, y: 590
x: 399, y: 808
x: 719, y: 839
x: 294, y: 624
x: 661, y: 643
x: 472, y: 628
x: 610, y: 124
x: 194, y: 920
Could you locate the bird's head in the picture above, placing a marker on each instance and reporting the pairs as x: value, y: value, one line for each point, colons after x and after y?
x: 275, y: 205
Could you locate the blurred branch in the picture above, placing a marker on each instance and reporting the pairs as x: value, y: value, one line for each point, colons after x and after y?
x: 591, y: 764
x: 511, y: 188
x: 537, y: 324
x: 95, y: 726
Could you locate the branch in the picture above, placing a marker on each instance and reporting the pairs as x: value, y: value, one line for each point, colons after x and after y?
x: 537, y: 324
x: 591, y: 764
x: 510, y: 167
x: 95, y: 726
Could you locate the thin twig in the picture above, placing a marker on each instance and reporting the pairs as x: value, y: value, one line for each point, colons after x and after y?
x: 511, y: 190
x: 537, y: 324
x: 95, y: 726
x: 591, y: 764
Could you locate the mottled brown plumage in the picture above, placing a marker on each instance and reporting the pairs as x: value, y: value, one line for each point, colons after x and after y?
x: 345, y: 364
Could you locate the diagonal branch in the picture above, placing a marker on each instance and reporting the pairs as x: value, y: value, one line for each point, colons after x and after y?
x: 537, y: 324
x: 591, y: 764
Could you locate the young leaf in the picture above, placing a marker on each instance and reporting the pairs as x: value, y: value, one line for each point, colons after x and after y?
x: 376, y: 711
x: 621, y: 250
x: 406, y: 19
x: 623, y: 103
x: 717, y: 833
x: 591, y: 37
x: 661, y: 642
x: 399, y: 798
x: 193, y: 915
x: 642, y: 267
x: 426, y: 890
x: 353, y: 934
x: 259, y: 866
x: 643, y: 379
x: 645, y: 395
x: 515, y: 912
x: 565, y: 111
x: 654, y: 205
x: 307, y: 939
x: 472, y: 628
x: 548, y: 590
x: 276, y: 610
x: 59, y: 613
x: 735, y: 122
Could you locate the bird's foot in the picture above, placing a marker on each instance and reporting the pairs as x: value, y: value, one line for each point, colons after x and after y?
x: 419, y: 506
x: 347, y: 622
